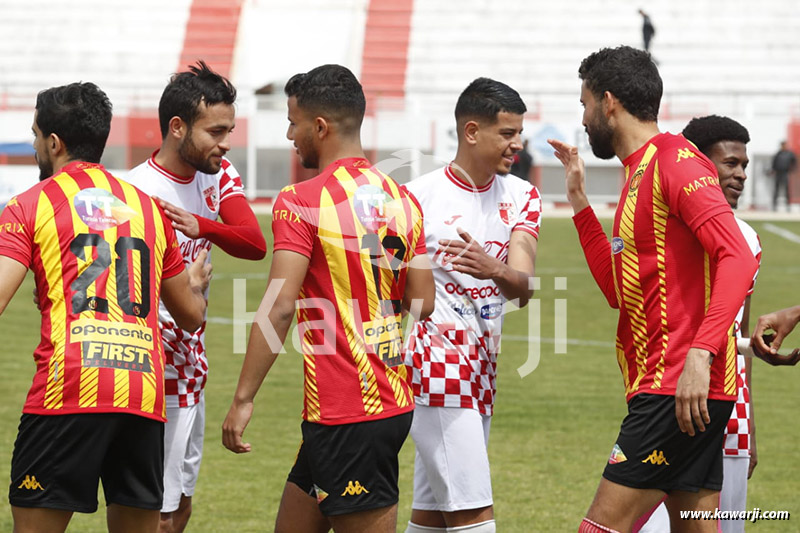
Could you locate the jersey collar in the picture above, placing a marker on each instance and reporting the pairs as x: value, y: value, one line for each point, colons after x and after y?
x: 461, y: 184
x: 166, y: 173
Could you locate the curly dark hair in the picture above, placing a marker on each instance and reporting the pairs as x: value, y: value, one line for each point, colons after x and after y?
x: 707, y: 131
x: 80, y: 114
x: 187, y: 90
x: 627, y: 73
x: 330, y: 91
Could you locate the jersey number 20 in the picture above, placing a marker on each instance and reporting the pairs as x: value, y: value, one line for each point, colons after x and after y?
x: 81, y: 301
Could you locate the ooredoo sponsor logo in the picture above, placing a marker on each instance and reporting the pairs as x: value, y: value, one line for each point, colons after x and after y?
x: 475, y: 293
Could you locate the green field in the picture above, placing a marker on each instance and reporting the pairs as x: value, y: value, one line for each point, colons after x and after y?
x: 552, y: 432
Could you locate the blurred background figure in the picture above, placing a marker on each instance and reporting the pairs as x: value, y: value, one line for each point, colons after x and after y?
x: 783, y: 163
x: 648, y: 30
x: 523, y: 163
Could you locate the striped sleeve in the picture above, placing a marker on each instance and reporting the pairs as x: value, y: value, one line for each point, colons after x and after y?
x: 16, y: 232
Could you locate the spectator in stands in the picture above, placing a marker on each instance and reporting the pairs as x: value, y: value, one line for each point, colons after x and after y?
x: 523, y: 163
x: 648, y: 30
x: 783, y: 163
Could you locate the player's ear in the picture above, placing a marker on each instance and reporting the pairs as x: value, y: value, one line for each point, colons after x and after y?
x: 55, y: 146
x: 471, y: 129
x: 177, y: 128
x: 321, y: 127
x: 609, y: 103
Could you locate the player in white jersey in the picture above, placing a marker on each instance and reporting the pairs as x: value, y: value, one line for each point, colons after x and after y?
x: 481, y: 228
x: 723, y: 141
x: 196, y: 185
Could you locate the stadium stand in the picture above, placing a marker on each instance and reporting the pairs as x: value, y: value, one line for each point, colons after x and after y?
x: 413, y: 58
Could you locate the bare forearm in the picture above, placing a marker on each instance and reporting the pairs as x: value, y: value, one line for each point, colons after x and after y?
x: 259, y: 358
x: 513, y: 284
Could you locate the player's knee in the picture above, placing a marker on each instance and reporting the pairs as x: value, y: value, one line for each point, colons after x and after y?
x: 587, y: 526
x: 484, y: 527
x: 416, y: 528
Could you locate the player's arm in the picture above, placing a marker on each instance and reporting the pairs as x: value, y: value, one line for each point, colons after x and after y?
x: 183, y: 294
x: 238, y: 234
x: 735, y: 266
x: 594, y: 242
x: 420, y: 292
x: 269, y: 330
x: 12, y: 272
x: 468, y: 257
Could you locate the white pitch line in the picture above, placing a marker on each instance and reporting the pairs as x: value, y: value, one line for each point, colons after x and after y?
x: 782, y: 232
x: 516, y: 338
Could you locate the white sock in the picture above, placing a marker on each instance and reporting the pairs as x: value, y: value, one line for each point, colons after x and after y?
x: 483, y: 527
x: 415, y: 528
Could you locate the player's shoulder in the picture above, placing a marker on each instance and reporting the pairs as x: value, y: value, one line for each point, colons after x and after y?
x: 426, y: 181
x: 27, y: 197
x: 227, y: 170
x: 676, y: 151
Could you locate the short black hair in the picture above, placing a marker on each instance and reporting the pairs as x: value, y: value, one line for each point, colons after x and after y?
x: 187, y: 90
x: 484, y: 98
x: 705, y: 132
x: 627, y: 73
x: 332, y: 92
x: 80, y: 114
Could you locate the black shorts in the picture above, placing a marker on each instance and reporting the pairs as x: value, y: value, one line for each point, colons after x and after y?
x: 351, y: 467
x: 59, y: 459
x: 652, y: 453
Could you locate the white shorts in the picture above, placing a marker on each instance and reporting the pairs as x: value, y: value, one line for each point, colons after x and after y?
x: 733, y: 496
x: 451, y: 467
x: 183, y: 450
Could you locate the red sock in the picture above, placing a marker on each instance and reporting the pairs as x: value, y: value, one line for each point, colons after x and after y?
x: 587, y: 526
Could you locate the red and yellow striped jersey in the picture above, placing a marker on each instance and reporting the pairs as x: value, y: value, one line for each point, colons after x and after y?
x: 359, y: 229
x: 663, y: 276
x: 99, y: 249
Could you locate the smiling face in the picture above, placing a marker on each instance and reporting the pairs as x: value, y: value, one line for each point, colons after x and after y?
x: 498, y: 142
x: 208, y: 139
x: 596, y: 125
x: 730, y: 158
x: 301, y: 132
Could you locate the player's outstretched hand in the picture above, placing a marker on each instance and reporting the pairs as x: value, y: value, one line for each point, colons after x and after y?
x: 233, y: 428
x: 468, y: 256
x: 200, y: 271
x: 575, y: 173
x: 182, y: 220
x: 782, y: 323
x: 691, y: 394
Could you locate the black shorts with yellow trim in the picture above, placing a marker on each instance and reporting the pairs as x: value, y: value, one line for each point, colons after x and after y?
x: 351, y: 468
x: 59, y: 460
x: 651, y: 452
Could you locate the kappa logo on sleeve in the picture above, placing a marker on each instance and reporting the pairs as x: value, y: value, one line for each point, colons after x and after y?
x: 684, y: 153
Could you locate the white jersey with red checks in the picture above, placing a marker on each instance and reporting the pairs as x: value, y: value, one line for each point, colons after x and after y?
x: 186, y: 366
x: 737, y: 434
x: 453, y: 353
